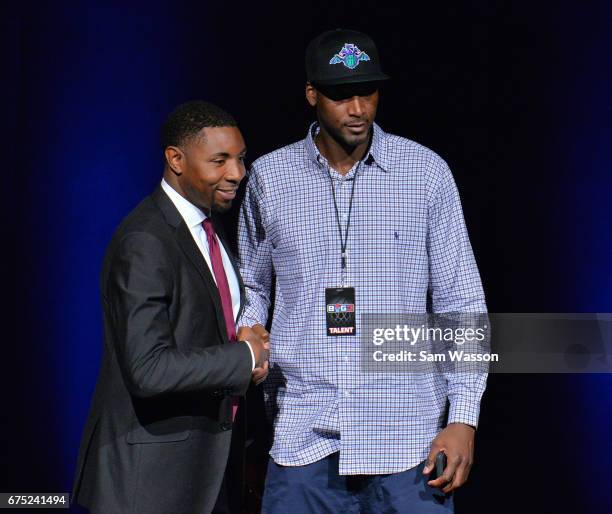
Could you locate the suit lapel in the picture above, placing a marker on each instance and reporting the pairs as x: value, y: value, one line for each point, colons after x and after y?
x: 192, y: 252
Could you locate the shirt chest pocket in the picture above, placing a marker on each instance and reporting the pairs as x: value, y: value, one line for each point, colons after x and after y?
x: 410, y: 246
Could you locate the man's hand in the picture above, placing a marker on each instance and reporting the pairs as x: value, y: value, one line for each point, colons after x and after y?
x: 261, y: 373
x: 457, y: 442
x: 259, y: 338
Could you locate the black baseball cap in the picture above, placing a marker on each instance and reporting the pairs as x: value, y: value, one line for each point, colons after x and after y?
x: 342, y: 57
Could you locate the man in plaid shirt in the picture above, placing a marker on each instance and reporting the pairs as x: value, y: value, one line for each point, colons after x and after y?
x: 367, y: 222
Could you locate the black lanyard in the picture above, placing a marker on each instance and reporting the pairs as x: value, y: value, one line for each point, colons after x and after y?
x: 344, y: 239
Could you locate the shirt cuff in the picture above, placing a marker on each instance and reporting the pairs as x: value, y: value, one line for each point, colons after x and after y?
x: 250, y: 316
x: 464, y: 411
x: 252, y: 355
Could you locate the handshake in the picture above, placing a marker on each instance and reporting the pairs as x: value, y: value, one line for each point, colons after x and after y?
x: 259, y: 338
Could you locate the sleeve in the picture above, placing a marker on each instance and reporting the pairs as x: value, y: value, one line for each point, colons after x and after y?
x: 455, y: 286
x: 252, y: 355
x: 255, y: 255
x: 139, y: 293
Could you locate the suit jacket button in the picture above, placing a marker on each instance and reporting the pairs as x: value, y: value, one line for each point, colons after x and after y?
x: 217, y: 393
x: 226, y: 426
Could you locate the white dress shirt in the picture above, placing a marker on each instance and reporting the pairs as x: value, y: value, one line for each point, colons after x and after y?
x: 194, y: 217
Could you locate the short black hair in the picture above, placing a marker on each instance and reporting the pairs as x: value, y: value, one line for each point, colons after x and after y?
x: 188, y: 119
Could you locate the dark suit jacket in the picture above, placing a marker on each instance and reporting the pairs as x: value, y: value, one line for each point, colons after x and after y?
x: 159, y: 430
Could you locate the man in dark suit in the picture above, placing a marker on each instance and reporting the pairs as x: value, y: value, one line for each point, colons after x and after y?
x: 159, y: 431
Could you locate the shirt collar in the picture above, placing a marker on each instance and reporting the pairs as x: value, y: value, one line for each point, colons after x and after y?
x: 377, y: 151
x: 192, y: 215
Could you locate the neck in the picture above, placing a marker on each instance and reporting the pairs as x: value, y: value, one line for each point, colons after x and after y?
x: 340, y: 157
x: 174, y: 183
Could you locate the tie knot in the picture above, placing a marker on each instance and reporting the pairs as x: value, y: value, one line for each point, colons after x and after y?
x: 208, y: 227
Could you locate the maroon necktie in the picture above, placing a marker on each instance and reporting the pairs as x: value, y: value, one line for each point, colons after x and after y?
x: 224, y: 290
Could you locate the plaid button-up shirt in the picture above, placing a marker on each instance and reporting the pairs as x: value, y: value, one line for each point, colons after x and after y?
x: 407, y: 239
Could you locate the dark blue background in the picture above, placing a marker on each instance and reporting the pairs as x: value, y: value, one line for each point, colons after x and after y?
x: 515, y: 96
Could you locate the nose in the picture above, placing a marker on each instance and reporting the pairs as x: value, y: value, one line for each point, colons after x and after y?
x: 235, y: 171
x: 356, y: 106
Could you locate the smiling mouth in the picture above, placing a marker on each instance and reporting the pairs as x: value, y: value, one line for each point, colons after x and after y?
x: 227, y: 194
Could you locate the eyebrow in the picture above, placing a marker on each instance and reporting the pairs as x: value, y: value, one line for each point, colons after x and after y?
x: 225, y: 154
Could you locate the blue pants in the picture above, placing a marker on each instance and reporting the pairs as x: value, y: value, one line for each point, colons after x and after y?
x: 318, y: 489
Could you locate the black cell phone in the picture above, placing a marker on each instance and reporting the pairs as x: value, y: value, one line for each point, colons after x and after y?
x: 440, y: 465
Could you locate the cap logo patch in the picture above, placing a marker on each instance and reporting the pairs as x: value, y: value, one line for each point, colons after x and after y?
x: 350, y: 56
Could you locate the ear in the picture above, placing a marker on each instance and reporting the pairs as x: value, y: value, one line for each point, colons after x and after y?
x: 175, y: 159
x: 311, y: 94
